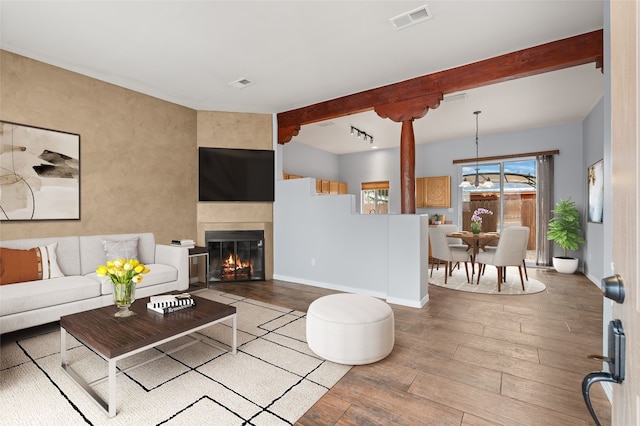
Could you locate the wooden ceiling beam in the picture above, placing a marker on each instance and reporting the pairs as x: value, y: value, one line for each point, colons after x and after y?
x: 410, y: 109
x: 569, y: 52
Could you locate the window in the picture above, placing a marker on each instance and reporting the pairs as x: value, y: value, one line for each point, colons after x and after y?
x: 375, y: 197
x: 510, y: 195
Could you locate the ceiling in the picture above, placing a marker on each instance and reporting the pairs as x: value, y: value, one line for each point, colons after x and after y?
x: 297, y: 53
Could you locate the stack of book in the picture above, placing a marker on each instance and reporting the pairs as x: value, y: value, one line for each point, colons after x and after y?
x: 168, y: 303
x: 183, y: 243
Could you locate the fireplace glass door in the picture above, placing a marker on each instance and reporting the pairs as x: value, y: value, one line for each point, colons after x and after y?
x: 236, y: 255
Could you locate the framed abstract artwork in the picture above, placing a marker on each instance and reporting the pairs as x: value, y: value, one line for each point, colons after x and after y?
x: 39, y: 173
x: 595, y: 180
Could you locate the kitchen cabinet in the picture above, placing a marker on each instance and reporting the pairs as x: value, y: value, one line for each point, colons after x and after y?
x: 434, y: 191
x: 286, y: 176
x: 323, y: 186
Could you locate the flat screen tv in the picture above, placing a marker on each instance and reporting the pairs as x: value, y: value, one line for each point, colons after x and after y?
x: 235, y: 174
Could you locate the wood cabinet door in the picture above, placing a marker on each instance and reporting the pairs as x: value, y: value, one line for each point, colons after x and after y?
x: 421, y: 192
x: 433, y: 191
x: 439, y: 191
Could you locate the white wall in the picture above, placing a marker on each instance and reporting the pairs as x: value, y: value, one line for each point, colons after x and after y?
x: 303, y: 160
x: 320, y: 240
x: 372, y: 166
x: 593, y: 257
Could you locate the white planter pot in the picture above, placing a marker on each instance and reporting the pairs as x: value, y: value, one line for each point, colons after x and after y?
x: 565, y: 265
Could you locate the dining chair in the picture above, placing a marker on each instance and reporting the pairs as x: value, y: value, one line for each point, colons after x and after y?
x: 455, y: 243
x: 509, y: 252
x: 524, y: 255
x: 440, y: 250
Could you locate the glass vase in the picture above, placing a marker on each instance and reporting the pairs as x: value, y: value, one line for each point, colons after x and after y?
x: 124, y: 295
x: 476, y: 227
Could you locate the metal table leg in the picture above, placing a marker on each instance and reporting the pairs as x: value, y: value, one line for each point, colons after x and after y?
x: 112, y: 388
x: 234, y: 338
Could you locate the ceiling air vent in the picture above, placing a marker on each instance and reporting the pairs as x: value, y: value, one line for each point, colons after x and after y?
x: 412, y: 17
x: 326, y: 124
x: 241, y: 83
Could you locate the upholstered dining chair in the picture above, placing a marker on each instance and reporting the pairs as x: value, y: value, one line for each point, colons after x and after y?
x: 524, y: 256
x: 440, y: 250
x: 454, y: 243
x: 509, y: 252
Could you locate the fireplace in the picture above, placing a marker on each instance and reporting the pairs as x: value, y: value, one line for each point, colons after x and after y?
x: 235, y: 255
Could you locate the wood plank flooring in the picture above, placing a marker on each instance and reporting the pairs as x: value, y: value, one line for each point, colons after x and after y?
x: 469, y: 359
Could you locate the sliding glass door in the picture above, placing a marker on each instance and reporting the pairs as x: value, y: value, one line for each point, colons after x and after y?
x: 508, y: 190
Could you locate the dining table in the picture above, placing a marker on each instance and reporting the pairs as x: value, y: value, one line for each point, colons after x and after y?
x: 476, y: 242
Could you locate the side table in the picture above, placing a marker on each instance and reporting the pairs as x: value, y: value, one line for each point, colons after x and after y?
x: 198, y: 252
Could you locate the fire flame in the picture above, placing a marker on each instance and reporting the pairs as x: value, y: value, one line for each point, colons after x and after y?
x: 234, y: 263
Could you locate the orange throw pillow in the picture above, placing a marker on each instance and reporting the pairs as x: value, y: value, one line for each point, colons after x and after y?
x: 19, y: 265
x: 38, y: 263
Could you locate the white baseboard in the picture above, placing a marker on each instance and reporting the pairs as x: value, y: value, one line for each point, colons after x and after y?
x: 409, y: 303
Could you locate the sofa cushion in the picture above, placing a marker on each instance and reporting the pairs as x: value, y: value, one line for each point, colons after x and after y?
x: 92, y: 252
x: 158, y: 274
x: 67, y: 253
x: 122, y: 249
x: 32, y: 295
x: 38, y: 263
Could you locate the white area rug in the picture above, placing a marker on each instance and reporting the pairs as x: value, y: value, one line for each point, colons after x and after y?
x: 488, y: 281
x: 272, y: 380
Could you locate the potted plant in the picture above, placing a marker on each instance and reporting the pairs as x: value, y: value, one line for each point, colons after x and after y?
x: 436, y: 219
x: 564, y: 229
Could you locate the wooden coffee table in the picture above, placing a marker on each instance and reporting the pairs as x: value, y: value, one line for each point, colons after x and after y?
x: 118, y: 338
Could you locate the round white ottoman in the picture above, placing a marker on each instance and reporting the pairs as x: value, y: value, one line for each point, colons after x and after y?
x: 350, y: 328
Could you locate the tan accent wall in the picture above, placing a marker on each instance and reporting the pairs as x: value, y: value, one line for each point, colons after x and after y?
x: 235, y: 130
x: 138, y: 156
x: 137, y: 153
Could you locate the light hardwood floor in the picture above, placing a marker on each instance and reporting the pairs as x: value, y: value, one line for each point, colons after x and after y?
x: 469, y: 359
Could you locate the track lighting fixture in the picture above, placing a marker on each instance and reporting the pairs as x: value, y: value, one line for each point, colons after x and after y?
x: 360, y: 134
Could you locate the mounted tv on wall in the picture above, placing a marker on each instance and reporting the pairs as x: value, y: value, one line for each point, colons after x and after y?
x: 235, y: 174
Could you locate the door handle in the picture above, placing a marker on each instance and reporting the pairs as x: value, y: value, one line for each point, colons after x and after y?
x: 615, y: 363
x: 591, y: 378
x: 613, y: 288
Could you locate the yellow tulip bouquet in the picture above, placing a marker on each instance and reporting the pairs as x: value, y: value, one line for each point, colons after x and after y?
x: 124, y: 274
x: 122, y: 271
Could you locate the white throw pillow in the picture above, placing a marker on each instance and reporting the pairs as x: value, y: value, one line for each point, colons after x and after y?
x: 123, y: 249
x: 49, y: 260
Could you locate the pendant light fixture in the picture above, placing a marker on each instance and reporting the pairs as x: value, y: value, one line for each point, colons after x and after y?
x: 487, y: 183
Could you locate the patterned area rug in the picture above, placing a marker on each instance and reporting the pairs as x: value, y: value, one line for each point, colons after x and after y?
x: 488, y: 281
x: 272, y: 380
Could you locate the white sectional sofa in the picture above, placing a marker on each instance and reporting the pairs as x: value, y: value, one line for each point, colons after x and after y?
x: 27, y: 304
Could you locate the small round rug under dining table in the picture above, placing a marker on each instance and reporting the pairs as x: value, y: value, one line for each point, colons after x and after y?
x: 488, y: 281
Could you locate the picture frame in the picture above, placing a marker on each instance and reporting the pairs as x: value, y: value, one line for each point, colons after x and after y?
x: 595, y: 184
x: 39, y: 173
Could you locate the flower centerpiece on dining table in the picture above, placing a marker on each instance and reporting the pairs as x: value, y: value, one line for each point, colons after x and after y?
x: 124, y: 274
x: 476, y: 219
